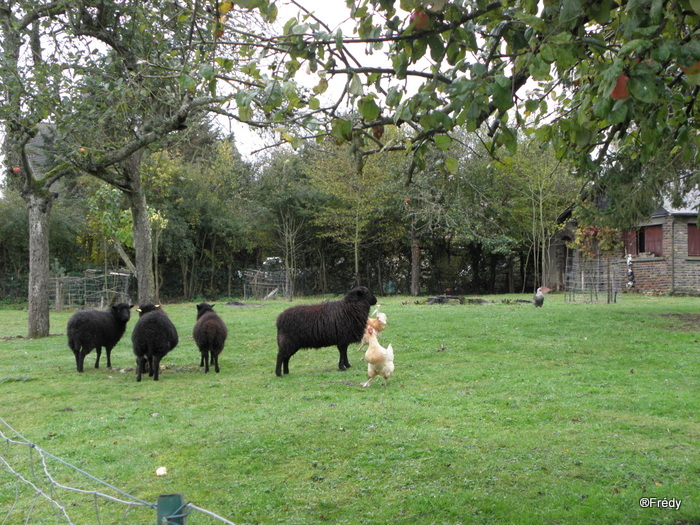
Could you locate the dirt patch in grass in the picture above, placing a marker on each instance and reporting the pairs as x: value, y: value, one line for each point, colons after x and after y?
x: 683, y: 322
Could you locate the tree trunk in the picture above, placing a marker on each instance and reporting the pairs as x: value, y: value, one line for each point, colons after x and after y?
x: 323, y: 271
x: 415, y: 264
x: 229, y: 279
x: 493, y: 266
x: 212, y: 266
x: 185, y: 272
x: 356, y: 251
x: 143, y: 248
x: 39, y: 209
x: 157, y: 278
x: 124, y: 256
x: 143, y: 243
x: 288, y: 231
x: 356, y: 244
x: 511, y: 276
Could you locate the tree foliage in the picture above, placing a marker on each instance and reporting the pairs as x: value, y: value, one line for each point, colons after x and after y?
x: 547, y: 69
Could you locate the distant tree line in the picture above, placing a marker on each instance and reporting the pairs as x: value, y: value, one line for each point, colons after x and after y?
x: 332, y: 223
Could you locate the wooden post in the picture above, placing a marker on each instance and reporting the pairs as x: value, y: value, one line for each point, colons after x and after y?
x: 171, y: 510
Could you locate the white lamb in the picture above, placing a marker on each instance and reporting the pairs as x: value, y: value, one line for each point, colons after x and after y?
x: 380, y: 360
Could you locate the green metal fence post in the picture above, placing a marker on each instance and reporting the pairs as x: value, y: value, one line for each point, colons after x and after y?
x: 171, y: 510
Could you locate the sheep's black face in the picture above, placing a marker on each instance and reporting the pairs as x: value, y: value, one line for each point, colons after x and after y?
x: 362, y: 293
x: 122, y: 311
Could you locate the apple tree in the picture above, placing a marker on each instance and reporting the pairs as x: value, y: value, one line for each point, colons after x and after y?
x: 87, y: 86
x: 600, y: 82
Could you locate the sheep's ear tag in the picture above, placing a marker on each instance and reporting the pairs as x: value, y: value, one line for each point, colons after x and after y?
x: 370, y: 330
x: 171, y: 509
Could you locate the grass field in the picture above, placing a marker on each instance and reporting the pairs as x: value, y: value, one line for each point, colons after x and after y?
x: 496, y: 413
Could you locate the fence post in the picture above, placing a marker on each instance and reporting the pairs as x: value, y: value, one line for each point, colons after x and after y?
x: 171, y: 510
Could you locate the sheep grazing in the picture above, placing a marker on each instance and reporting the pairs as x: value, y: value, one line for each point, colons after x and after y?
x: 380, y: 360
x: 332, y: 323
x: 153, y: 337
x: 377, y: 323
x: 210, y: 335
x: 88, y: 329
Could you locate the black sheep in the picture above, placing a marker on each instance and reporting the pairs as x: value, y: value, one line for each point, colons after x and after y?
x: 153, y: 337
x: 88, y: 329
x: 144, y: 308
x: 210, y: 335
x: 332, y: 323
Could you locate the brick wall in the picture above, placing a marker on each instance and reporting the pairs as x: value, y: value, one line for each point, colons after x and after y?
x: 674, y: 271
x: 686, y: 270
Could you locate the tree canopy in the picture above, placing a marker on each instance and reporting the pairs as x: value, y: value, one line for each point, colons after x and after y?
x: 598, y: 81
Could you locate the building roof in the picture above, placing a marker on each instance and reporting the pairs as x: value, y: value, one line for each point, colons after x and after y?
x: 688, y: 206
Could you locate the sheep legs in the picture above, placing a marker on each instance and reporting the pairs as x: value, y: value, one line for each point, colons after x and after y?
x: 108, y: 351
x: 147, y: 363
x: 282, y: 363
x: 140, y: 366
x: 155, y: 367
x: 283, y: 360
x: 154, y: 372
x: 343, y: 363
x: 79, y: 359
x: 205, y: 360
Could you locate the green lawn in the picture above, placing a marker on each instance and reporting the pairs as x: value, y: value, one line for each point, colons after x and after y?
x: 496, y: 413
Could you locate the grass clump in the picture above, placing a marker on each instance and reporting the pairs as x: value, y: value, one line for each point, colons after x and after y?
x: 496, y: 413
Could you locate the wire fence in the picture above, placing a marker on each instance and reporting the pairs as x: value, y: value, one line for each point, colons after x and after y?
x: 94, y: 290
x: 39, y: 488
x: 594, y: 280
x: 262, y: 284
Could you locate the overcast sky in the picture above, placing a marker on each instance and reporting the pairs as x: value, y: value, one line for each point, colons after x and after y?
x: 334, y: 14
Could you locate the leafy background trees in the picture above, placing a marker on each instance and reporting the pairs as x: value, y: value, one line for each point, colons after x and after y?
x: 608, y: 89
x: 333, y: 227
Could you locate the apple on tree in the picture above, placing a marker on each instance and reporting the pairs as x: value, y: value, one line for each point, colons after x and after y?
x: 620, y: 91
x: 692, y: 70
x: 692, y: 73
x: 420, y: 20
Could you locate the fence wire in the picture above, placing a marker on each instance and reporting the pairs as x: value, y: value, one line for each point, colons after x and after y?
x: 92, y: 290
x: 37, y: 487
